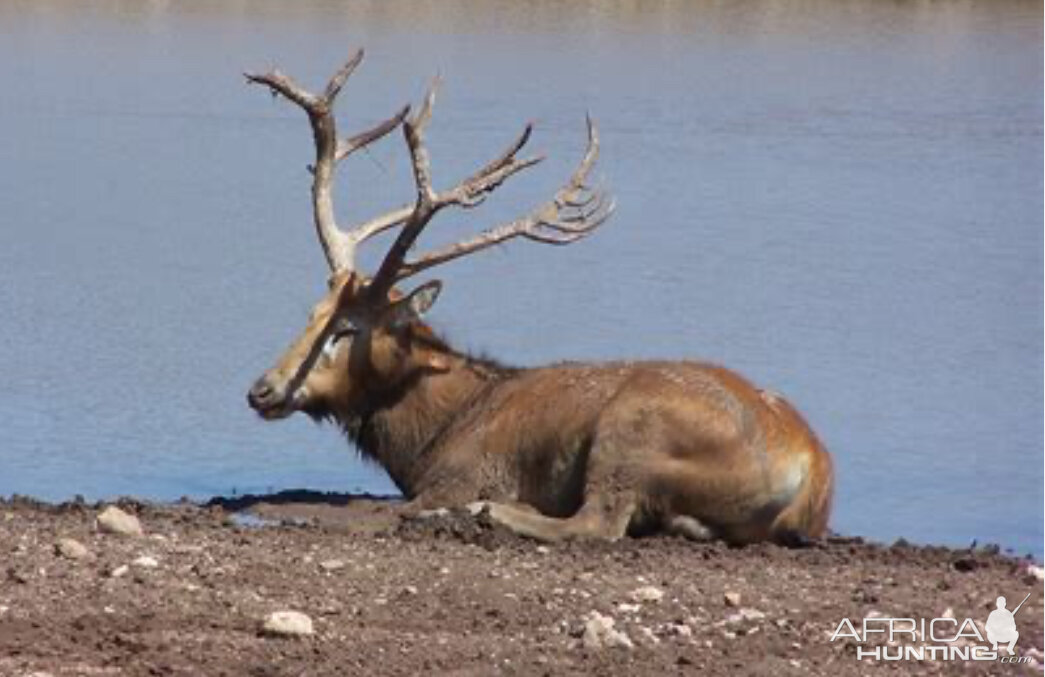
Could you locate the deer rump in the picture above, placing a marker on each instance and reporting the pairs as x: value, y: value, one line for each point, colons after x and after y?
x: 571, y: 450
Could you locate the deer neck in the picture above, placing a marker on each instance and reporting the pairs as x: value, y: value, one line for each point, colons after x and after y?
x: 400, y: 428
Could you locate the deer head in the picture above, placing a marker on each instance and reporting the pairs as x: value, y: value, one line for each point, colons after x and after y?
x: 364, y: 338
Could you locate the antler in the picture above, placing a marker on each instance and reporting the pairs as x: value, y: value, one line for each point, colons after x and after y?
x: 574, y: 212
x: 339, y: 246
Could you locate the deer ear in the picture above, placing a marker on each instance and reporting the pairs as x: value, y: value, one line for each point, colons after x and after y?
x: 415, y: 305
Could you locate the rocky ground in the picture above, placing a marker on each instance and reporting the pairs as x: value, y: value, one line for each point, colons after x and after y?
x: 333, y: 585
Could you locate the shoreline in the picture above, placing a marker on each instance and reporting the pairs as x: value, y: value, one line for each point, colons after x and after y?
x: 302, y: 501
x: 457, y: 594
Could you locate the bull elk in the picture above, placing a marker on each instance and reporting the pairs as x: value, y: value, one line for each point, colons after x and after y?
x: 566, y: 450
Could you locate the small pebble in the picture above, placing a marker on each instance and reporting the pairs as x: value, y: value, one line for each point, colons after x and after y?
x: 70, y: 548
x: 112, y: 520
x: 678, y: 630
x: 649, y: 636
x: 287, y: 624
x: 146, y: 562
x: 599, y: 633
x: 732, y: 599
x: 745, y: 615
x: 648, y: 593
x: 332, y: 565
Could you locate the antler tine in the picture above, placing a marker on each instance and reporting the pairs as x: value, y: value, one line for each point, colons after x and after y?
x: 425, y: 206
x: 474, y: 190
x: 339, y: 246
x: 350, y: 145
x: 468, y: 193
x: 340, y: 77
x: 573, y: 213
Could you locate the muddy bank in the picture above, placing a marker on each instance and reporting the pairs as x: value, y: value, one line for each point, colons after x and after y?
x: 455, y: 595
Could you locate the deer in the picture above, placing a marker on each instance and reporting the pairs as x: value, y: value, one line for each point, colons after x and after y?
x: 574, y: 450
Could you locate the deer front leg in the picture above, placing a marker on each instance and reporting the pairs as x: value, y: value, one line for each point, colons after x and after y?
x: 611, y: 491
x: 602, y: 518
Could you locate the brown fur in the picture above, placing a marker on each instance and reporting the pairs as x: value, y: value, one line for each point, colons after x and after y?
x: 560, y: 451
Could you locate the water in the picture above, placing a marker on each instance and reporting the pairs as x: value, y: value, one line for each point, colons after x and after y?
x: 841, y: 200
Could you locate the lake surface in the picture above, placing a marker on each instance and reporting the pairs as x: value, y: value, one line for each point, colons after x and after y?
x: 842, y: 201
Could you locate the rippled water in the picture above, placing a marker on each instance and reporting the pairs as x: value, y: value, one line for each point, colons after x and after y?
x: 841, y: 200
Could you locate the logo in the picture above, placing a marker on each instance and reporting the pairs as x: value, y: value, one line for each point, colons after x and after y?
x: 1001, y: 626
x: 946, y: 638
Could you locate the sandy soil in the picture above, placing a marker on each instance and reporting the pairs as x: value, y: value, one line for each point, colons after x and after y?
x: 455, y: 595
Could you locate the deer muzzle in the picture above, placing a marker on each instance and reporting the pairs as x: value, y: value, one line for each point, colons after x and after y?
x: 269, y: 399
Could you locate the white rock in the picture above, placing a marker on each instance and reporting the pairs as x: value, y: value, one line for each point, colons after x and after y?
x: 119, y: 571
x: 599, y: 633
x: 1037, y: 572
x: 677, y: 630
x: 287, y: 624
x: 649, y: 636
x: 732, y: 599
x: 647, y: 593
x: 146, y: 562
x: 750, y: 614
x: 332, y: 565
x: 70, y: 548
x: 626, y: 608
x: 115, y: 521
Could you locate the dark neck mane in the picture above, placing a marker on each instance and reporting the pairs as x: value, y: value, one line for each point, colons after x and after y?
x: 399, y: 427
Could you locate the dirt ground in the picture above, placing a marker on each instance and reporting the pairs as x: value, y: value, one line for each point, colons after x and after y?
x: 454, y: 595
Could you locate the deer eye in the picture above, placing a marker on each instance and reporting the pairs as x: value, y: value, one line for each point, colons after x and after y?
x: 343, y: 331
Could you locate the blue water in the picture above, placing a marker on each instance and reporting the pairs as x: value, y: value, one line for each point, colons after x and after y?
x: 842, y: 201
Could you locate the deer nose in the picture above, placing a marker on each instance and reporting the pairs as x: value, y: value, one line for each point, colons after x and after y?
x: 262, y: 394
